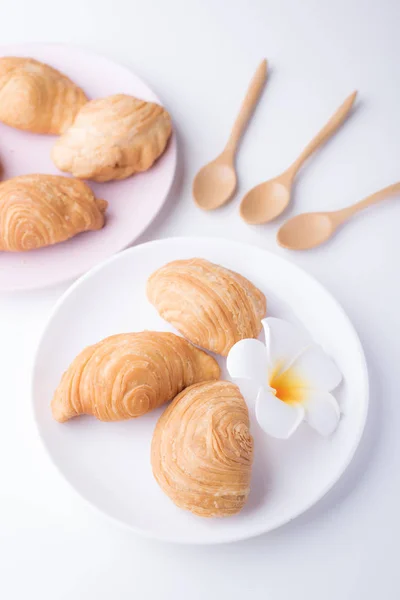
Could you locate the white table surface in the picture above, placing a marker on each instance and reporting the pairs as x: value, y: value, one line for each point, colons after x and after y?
x: 199, y: 55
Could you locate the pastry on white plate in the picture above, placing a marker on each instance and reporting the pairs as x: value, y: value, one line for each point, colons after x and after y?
x: 128, y: 374
x: 202, y: 450
x: 210, y: 305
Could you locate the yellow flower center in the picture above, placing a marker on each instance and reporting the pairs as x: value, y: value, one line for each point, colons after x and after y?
x: 288, y: 386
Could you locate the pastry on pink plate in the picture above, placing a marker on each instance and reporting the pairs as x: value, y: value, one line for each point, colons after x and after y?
x: 37, y: 98
x: 41, y: 210
x: 113, y: 138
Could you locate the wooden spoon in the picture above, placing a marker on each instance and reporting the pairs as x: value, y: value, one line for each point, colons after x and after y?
x: 268, y: 200
x: 312, y: 229
x: 216, y: 182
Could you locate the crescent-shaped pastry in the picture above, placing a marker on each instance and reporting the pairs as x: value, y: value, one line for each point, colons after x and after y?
x: 129, y: 374
x: 202, y: 450
x: 112, y: 138
x: 36, y: 97
x: 211, y: 306
x: 39, y: 210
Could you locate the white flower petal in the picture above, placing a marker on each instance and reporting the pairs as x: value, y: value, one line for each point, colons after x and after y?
x: 249, y: 390
x: 275, y: 417
x: 322, y: 411
x: 284, y: 342
x: 247, y: 359
x: 316, y: 370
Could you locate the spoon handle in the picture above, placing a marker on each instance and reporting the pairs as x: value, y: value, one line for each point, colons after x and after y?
x: 332, y: 125
x: 246, y: 110
x: 342, y: 215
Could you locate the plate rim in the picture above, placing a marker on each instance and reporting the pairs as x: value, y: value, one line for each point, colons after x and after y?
x: 227, y: 537
x: 172, y: 147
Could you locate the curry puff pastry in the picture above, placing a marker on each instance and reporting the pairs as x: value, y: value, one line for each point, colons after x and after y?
x: 202, y: 450
x: 112, y: 138
x: 129, y: 374
x: 40, y: 210
x: 210, y: 305
x: 36, y: 97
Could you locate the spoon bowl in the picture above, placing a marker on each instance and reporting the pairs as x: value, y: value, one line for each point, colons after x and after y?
x: 306, y: 231
x: 215, y: 183
x: 312, y: 229
x: 266, y: 201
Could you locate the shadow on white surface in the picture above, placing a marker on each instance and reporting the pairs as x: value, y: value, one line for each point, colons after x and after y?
x: 174, y: 195
x: 350, y: 480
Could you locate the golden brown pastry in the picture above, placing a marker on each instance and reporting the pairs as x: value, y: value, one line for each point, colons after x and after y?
x: 129, y: 374
x: 112, y: 138
x: 202, y: 450
x: 39, y: 210
x: 210, y: 305
x: 36, y: 97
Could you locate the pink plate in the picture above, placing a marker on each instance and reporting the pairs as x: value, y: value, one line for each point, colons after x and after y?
x: 133, y: 203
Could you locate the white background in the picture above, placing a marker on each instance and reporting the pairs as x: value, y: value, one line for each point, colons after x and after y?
x: 199, y: 56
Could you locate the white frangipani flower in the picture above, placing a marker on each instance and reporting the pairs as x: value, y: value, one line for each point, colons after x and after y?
x: 293, y: 376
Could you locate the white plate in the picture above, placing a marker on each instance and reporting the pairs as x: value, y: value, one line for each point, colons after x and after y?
x: 132, y: 203
x: 108, y: 463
